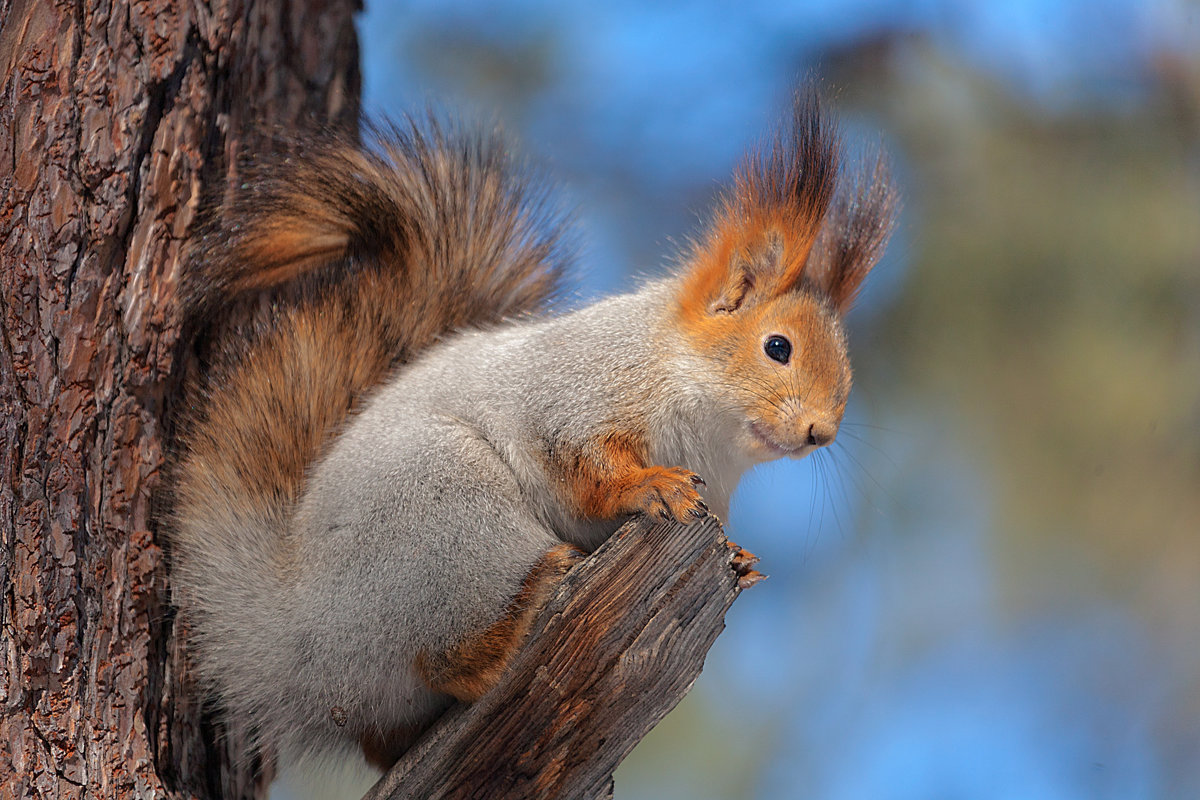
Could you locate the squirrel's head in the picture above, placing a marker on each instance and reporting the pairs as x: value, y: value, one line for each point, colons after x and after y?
x: 766, y: 286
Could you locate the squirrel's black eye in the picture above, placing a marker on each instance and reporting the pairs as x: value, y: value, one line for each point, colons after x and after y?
x: 778, y: 348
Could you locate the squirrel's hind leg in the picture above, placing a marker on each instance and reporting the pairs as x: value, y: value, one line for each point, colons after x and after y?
x: 415, y: 547
x: 473, y: 665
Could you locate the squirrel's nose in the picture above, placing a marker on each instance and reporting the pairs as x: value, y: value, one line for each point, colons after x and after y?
x: 820, y: 434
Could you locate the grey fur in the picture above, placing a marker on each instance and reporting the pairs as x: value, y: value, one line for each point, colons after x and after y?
x: 434, y: 497
x: 418, y: 525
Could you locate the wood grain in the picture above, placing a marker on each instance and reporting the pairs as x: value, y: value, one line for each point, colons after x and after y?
x: 618, y: 646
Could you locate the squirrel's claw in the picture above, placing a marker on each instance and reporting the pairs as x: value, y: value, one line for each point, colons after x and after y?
x: 668, y: 493
x: 742, y: 559
x: 750, y: 578
x: 743, y: 562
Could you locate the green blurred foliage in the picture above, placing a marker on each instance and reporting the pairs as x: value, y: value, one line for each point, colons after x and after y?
x: 1053, y: 310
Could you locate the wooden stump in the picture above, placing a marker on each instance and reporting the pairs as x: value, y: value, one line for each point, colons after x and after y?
x: 617, y: 647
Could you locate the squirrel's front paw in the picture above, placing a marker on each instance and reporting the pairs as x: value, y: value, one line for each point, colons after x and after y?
x: 669, y: 493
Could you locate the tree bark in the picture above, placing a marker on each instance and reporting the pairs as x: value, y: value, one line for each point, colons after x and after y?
x: 114, y: 112
x: 616, y: 648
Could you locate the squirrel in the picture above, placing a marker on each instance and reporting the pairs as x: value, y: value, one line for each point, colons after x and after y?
x: 380, y: 485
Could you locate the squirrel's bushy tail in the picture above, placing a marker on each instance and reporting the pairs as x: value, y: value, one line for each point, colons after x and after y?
x: 389, y: 246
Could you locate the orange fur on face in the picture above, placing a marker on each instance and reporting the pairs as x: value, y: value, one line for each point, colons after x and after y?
x: 784, y: 256
x: 783, y: 403
x: 744, y: 286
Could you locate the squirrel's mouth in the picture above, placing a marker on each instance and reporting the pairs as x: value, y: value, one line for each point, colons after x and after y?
x: 772, y: 446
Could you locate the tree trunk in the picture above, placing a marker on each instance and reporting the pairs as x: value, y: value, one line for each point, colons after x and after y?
x: 114, y: 115
x: 113, y: 110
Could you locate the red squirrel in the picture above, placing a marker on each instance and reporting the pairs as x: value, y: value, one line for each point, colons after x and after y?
x: 379, y: 487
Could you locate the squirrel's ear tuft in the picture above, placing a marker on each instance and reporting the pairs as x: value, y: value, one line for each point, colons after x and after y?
x: 855, y: 233
x: 758, y: 243
x: 746, y: 272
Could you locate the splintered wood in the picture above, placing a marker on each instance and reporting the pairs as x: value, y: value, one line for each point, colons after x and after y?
x: 617, y: 647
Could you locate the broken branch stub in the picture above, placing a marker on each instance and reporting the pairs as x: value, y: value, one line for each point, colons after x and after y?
x: 617, y: 647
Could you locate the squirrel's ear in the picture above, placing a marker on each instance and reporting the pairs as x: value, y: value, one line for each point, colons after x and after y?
x: 750, y: 272
x: 854, y: 235
x: 758, y: 243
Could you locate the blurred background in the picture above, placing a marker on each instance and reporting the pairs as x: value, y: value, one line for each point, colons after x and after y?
x: 990, y: 586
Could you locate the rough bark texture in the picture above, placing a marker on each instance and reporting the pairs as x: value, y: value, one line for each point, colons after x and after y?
x: 112, y: 111
x: 114, y: 114
x: 617, y: 647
